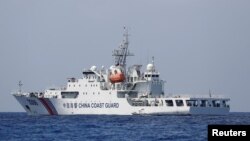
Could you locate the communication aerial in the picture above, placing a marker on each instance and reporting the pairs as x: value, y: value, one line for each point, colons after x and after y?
x: 20, y: 84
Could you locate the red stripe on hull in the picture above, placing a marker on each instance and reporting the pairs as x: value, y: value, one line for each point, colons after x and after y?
x: 46, y: 105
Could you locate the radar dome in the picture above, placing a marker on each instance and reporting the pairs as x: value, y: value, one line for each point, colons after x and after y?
x: 150, y: 67
x: 93, y: 68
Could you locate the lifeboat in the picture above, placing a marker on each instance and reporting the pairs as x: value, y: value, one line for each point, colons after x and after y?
x: 116, y: 75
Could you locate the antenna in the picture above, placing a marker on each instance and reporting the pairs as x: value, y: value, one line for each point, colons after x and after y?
x: 210, y: 93
x: 20, y: 84
x: 153, y: 62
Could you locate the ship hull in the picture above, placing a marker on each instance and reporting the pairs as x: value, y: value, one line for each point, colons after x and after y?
x: 54, y: 106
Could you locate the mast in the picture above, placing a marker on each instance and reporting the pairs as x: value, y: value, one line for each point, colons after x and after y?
x: 20, y: 84
x: 210, y: 93
x: 122, y: 53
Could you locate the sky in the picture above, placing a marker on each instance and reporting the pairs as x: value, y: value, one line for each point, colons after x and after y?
x: 197, y: 45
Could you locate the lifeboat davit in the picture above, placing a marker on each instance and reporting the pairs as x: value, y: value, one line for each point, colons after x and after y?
x: 116, y: 75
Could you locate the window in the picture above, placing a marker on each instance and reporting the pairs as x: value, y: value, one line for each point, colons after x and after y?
x: 189, y: 103
x: 192, y: 103
x: 216, y: 103
x: 224, y: 103
x: 69, y: 94
x: 203, y: 103
x: 169, y: 102
x: 179, y: 102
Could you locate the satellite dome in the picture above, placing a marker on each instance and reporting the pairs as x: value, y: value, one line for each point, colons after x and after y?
x: 93, y: 68
x: 150, y: 67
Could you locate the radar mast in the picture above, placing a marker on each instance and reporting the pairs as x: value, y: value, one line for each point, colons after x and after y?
x: 122, y: 53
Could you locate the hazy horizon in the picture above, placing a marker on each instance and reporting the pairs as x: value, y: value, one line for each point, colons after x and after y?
x: 197, y: 45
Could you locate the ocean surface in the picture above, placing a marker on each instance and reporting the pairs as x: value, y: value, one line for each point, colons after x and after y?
x: 21, y: 127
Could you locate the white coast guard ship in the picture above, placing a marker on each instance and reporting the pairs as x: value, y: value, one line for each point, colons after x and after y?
x: 117, y: 91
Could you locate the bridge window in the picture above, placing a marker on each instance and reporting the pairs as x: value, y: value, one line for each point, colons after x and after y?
x: 190, y: 103
x: 149, y: 75
x: 179, y: 102
x: 225, y: 103
x: 216, y: 103
x: 204, y: 103
x: 169, y: 102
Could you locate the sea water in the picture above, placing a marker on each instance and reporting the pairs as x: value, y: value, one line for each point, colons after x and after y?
x: 21, y: 127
